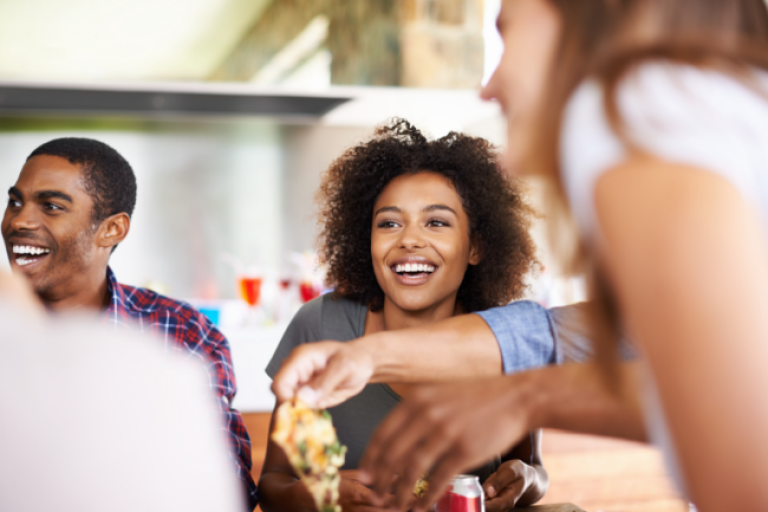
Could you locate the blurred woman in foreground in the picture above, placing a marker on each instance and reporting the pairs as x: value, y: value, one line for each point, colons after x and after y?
x: 652, y: 118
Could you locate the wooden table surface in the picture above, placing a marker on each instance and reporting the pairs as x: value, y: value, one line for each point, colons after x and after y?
x: 560, y: 507
x: 594, y: 473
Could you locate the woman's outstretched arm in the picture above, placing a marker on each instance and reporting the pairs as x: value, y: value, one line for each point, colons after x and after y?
x: 328, y: 373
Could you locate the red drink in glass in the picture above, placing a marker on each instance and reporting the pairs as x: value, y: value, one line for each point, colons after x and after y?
x: 464, y: 495
x: 308, y: 291
x: 250, y: 290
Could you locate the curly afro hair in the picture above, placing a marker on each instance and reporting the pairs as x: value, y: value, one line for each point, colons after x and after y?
x: 499, y: 216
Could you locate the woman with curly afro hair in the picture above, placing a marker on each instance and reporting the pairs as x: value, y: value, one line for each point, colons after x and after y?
x: 413, y: 231
x: 497, y: 211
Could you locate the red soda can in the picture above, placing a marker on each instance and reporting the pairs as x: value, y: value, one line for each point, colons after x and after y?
x: 465, y: 494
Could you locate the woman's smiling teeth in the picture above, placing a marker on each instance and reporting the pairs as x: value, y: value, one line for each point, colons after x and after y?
x: 414, y: 267
x: 27, y: 254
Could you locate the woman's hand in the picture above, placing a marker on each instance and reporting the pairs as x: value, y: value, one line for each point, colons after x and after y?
x: 447, y: 429
x: 443, y: 430
x: 513, y: 480
x: 356, y: 497
x: 324, y: 374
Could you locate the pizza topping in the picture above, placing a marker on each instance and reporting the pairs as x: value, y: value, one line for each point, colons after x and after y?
x: 309, y: 440
x: 422, y: 486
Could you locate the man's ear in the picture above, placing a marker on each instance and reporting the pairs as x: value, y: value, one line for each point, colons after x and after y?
x: 113, y: 230
x: 475, y: 250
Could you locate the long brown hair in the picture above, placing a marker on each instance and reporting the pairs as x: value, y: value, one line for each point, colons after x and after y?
x: 603, y: 40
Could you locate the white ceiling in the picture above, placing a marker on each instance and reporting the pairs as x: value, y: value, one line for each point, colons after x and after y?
x: 120, y: 39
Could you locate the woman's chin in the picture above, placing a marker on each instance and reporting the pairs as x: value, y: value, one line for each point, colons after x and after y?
x: 416, y: 305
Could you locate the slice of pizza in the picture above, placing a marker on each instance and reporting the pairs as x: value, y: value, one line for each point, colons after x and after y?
x: 309, y: 440
x: 422, y: 486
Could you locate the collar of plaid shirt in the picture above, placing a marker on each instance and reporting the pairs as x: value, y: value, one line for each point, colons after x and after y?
x: 117, y: 303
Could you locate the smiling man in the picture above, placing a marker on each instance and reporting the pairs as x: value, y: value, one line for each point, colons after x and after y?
x: 69, y: 209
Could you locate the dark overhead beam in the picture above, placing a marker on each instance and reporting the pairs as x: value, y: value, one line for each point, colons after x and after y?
x: 15, y: 98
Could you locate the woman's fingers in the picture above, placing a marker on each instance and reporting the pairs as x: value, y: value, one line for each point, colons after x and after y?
x: 352, y: 492
x: 345, y: 375
x: 419, y: 462
x: 323, y: 374
x: 371, y: 462
x: 352, y: 507
x: 407, y: 443
x: 352, y: 475
x: 300, y: 366
x: 439, y: 479
x: 505, y: 487
x: 505, y: 475
x: 366, y: 496
x: 507, y: 498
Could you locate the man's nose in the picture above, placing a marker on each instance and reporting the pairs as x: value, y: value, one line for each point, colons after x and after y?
x: 24, y: 219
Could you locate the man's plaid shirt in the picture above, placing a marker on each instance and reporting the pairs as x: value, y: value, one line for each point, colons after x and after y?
x: 182, y: 327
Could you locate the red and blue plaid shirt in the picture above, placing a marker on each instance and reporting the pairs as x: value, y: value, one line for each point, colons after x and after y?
x: 182, y: 327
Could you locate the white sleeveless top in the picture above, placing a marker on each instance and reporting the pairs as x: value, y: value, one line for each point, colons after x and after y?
x: 680, y: 114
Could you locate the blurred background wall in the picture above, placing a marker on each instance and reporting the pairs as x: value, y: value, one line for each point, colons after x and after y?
x: 240, y: 184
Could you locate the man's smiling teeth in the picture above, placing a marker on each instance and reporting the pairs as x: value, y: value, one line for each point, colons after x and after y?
x: 28, y: 249
x: 414, y: 267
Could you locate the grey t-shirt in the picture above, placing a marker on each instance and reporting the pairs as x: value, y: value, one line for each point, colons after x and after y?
x: 331, y: 317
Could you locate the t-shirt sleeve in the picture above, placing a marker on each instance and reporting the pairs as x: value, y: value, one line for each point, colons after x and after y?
x: 525, y: 334
x: 304, y: 328
x: 572, y: 328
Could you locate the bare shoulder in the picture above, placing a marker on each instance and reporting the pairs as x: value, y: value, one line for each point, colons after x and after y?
x: 645, y: 200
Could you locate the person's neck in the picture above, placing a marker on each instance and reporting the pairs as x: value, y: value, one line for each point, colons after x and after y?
x: 394, y: 318
x: 87, y: 292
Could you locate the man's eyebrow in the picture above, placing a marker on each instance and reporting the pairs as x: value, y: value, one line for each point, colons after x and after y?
x: 13, y: 191
x: 53, y: 194
x: 387, y: 209
x: 434, y: 207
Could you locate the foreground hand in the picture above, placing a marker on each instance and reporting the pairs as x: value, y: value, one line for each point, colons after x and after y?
x: 324, y: 374
x: 16, y: 290
x: 507, y: 485
x: 356, y: 497
x: 444, y: 430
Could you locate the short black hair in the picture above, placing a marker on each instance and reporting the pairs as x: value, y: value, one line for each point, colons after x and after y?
x: 109, y: 178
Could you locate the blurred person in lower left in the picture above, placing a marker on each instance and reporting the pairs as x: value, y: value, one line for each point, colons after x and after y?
x: 147, y: 437
x: 69, y: 209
